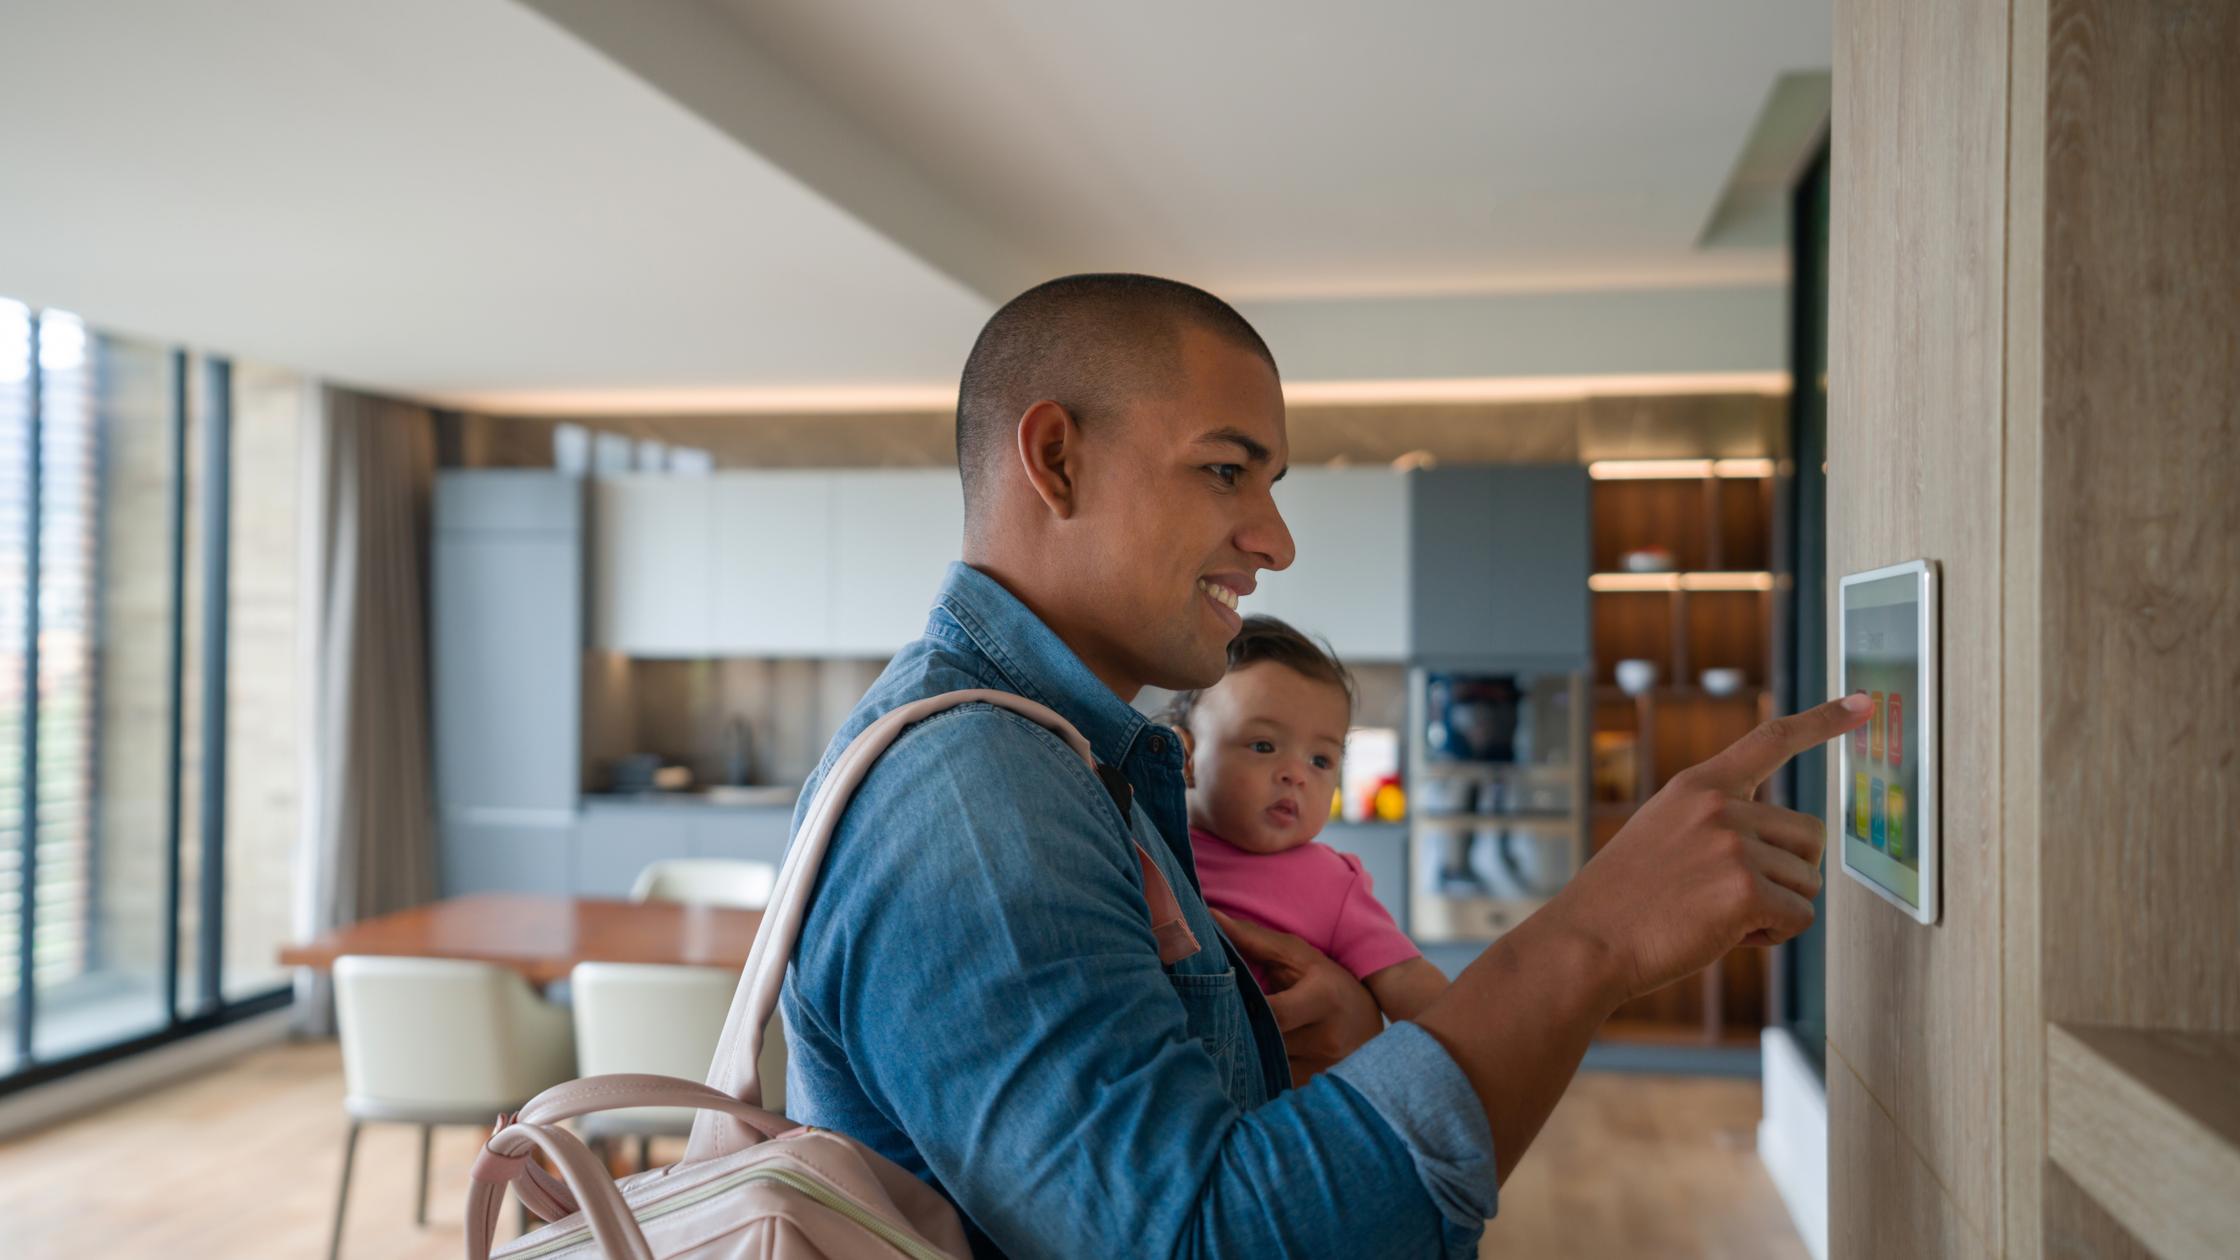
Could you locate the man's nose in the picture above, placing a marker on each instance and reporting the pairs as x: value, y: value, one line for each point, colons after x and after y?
x: 1266, y: 538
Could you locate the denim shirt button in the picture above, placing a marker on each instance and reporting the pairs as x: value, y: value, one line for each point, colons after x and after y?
x: 1158, y: 745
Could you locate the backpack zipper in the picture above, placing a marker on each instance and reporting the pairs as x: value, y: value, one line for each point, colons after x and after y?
x: 816, y: 1190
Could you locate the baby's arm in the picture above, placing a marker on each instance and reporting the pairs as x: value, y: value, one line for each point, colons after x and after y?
x: 1404, y: 989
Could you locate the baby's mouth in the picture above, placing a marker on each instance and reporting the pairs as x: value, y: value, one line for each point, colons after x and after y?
x: 1283, y: 813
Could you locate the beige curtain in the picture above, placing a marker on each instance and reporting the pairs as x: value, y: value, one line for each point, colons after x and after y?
x: 369, y: 831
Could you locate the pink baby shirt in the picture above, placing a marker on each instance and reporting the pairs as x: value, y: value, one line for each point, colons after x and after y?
x: 1313, y: 892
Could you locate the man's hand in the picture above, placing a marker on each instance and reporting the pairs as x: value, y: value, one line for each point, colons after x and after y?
x: 1702, y: 867
x: 1325, y: 1013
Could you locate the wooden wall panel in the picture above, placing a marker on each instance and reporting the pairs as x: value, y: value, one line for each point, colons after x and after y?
x: 1917, y: 294
x: 1908, y: 1213
x: 2022, y: 1032
x: 2141, y: 515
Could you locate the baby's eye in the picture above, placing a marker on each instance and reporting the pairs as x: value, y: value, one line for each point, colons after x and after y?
x: 1262, y: 746
x: 1321, y: 763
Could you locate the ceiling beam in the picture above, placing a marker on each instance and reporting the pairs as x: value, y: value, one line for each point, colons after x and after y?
x: 698, y: 57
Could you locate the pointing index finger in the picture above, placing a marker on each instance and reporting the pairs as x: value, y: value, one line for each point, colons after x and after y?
x: 1751, y: 760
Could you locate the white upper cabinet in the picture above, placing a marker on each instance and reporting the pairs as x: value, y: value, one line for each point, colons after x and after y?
x: 771, y: 570
x: 895, y: 532
x: 1349, y: 583
x: 652, y: 539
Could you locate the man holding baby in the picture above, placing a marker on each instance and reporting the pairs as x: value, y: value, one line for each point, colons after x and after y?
x: 978, y: 993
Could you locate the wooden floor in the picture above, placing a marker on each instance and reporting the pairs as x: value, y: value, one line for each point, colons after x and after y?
x: 242, y: 1164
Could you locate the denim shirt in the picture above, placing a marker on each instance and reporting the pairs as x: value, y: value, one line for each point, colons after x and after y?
x: 978, y: 996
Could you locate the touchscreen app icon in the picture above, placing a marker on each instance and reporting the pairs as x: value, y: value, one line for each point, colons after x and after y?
x: 1893, y: 741
x: 1875, y: 748
x: 1859, y: 804
x: 1881, y: 840
x: 1896, y: 826
x: 1859, y: 742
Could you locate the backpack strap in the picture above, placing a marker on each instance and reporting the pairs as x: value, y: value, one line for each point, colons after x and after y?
x: 734, y: 1070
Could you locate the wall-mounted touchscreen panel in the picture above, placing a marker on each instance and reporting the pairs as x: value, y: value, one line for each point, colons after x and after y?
x: 1886, y: 823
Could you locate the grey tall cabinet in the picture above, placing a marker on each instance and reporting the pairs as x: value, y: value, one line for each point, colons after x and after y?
x: 507, y: 648
x: 1499, y: 558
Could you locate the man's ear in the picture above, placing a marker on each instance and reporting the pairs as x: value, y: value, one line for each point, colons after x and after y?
x: 1189, y: 757
x: 1050, y: 451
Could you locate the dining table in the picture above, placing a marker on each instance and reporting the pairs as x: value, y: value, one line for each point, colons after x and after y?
x: 543, y: 936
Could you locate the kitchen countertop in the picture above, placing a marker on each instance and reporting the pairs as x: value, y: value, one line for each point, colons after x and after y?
x: 682, y: 800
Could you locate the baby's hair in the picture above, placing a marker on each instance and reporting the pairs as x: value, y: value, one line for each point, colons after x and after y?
x: 1268, y: 639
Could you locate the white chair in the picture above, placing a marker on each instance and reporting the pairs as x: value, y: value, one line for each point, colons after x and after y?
x: 707, y: 882
x: 636, y: 1017
x: 432, y: 1041
x: 667, y: 1020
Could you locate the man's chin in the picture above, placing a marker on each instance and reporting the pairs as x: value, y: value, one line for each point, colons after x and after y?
x: 1199, y: 669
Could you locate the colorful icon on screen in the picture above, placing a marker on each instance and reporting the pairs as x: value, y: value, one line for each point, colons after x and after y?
x: 1859, y: 805
x: 1896, y: 827
x: 1893, y: 740
x: 1880, y: 839
x: 1875, y: 748
x: 1859, y: 742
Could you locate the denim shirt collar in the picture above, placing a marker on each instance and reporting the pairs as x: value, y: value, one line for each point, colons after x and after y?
x: 1035, y: 662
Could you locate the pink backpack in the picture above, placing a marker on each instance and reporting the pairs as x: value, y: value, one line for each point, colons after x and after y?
x: 752, y: 1183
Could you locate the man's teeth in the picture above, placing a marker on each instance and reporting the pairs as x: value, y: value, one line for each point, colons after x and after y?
x: 1221, y: 594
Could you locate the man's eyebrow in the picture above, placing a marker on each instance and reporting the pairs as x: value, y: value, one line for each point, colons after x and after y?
x: 1255, y: 452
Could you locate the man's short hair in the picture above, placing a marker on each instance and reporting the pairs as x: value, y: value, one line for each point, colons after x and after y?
x: 1265, y: 638
x: 1090, y: 343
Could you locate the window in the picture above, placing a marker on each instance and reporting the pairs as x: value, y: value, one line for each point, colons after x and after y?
x: 133, y: 911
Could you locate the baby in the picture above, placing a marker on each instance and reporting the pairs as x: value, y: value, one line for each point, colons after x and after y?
x: 1262, y: 748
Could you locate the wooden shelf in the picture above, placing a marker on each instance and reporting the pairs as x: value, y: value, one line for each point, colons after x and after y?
x: 1713, y: 610
x: 1609, y: 693
x: 2148, y: 1123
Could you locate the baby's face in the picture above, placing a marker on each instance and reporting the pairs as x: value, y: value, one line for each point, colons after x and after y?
x: 1265, y: 745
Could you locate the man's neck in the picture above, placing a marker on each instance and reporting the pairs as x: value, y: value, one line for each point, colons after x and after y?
x: 1052, y: 614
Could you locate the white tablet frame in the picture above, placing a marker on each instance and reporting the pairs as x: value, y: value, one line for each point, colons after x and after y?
x: 1930, y: 705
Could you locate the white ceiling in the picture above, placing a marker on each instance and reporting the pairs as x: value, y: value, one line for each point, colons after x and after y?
x: 1310, y: 148
x: 515, y: 199
x: 431, y: 196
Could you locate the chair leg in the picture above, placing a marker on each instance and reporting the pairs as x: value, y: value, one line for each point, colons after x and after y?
x: 645, y: 1153
x: 342, y: 1195
x: 420, y: 1214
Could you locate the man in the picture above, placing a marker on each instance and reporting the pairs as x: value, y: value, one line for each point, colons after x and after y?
x: 978, y: 993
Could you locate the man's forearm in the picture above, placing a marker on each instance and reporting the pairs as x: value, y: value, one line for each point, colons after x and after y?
x: 1518, y: 1021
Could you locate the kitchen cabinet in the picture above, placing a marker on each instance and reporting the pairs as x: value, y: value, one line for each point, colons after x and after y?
x: 507, y: 595
x: 653, y: 547
x: 617, y: 838
x: 506, y: 637
x: 768, y: 564
x: 895, y: 531
x: 1499, y: 557
x: 1350, y: 582
x: 483, y: 857
x: 613, y: 843
x: 746, y: 835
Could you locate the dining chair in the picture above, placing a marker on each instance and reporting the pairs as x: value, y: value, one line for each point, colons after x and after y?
x: 741, y: 885
x: 642, y: 1017
x: 666, y: 1020
x: 431, y: 1041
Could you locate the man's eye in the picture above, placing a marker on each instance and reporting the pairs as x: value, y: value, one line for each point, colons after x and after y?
x: 1262, y: 746
x: 1227, y: 474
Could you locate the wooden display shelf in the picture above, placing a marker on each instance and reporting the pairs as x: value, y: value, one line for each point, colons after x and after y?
x: 1715, y: 611
x: 2147, y: 1122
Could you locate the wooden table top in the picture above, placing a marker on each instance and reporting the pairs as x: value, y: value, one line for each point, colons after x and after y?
x: 544, y: 937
